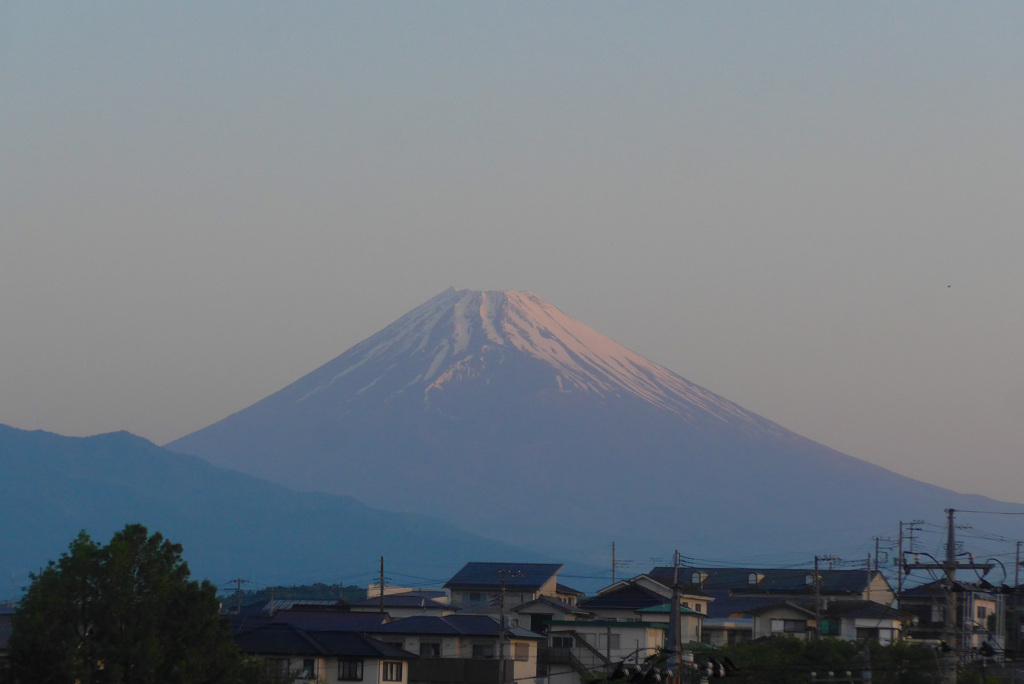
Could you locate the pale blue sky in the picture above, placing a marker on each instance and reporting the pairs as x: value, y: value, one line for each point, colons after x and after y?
x: 813, y: 209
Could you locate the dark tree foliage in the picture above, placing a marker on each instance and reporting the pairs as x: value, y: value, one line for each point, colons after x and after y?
x: 786, y: 660
x: 124, y: 613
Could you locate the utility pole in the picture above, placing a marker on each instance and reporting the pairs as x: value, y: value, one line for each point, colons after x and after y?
x: 238, y: 593
x: 1016, y: 602
x: 501, y: 622
x: 674, y: 635
x: 878, y: 552
x: 382, y: 585
x: 949, y: 567
x: 817, y: 593
x: 870, y: 574
x: 616, y: 563
x: 899, y: 570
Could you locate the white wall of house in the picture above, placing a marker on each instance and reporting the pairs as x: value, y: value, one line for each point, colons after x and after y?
x: 613, y: 640
x: 784, y: 621
x: 885, y: 631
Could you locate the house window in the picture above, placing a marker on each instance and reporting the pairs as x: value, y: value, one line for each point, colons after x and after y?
x: 603, y: 641
x: 521, y: 652
x: 430, y: 649
x: 982, y: 612
x: 831, y: 627
x: 475, y: 596
x: 350, y: 670
x: 864, y: 633
x: 483, y: 650
x: 308, y: 668
x: 789, y: 626
x: 392, y: 671
x: 561, y: 642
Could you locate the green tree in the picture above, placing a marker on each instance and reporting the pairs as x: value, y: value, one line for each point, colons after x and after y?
x: 124, y: 613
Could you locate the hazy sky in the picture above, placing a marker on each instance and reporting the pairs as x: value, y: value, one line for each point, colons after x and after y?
x: 813, y: 209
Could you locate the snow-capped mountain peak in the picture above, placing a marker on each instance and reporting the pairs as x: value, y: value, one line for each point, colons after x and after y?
x: 452, y: 337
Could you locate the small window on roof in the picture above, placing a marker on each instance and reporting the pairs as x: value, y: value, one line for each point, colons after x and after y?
x: 753, y: 578
x: 809, y: 579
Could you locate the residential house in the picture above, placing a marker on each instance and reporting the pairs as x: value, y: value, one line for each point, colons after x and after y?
x: 644, y: 598
x: 582, y: 647
x: 480, y: 587
x: 741, y: 594
x: 463, y: 649
x: 859, y: 620
x: 537, y: 615
x: 568, y: 594
x: 329, y: 656
x: 866, y: 585
x: 979, y: 609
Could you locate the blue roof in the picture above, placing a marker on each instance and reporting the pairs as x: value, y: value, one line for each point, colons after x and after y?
x: 518, y: 576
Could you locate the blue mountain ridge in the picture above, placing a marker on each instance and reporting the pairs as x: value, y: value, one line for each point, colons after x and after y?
x: 230, y: 524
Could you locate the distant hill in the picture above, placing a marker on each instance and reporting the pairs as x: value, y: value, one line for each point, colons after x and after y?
x: 497, y: 412
x: 230, y: 524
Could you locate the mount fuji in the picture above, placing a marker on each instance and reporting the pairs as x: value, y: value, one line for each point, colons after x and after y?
x: 502, y: 415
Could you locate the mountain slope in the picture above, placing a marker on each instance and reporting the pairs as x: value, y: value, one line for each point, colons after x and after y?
x: 231, y: 524
x: 498, y: 412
